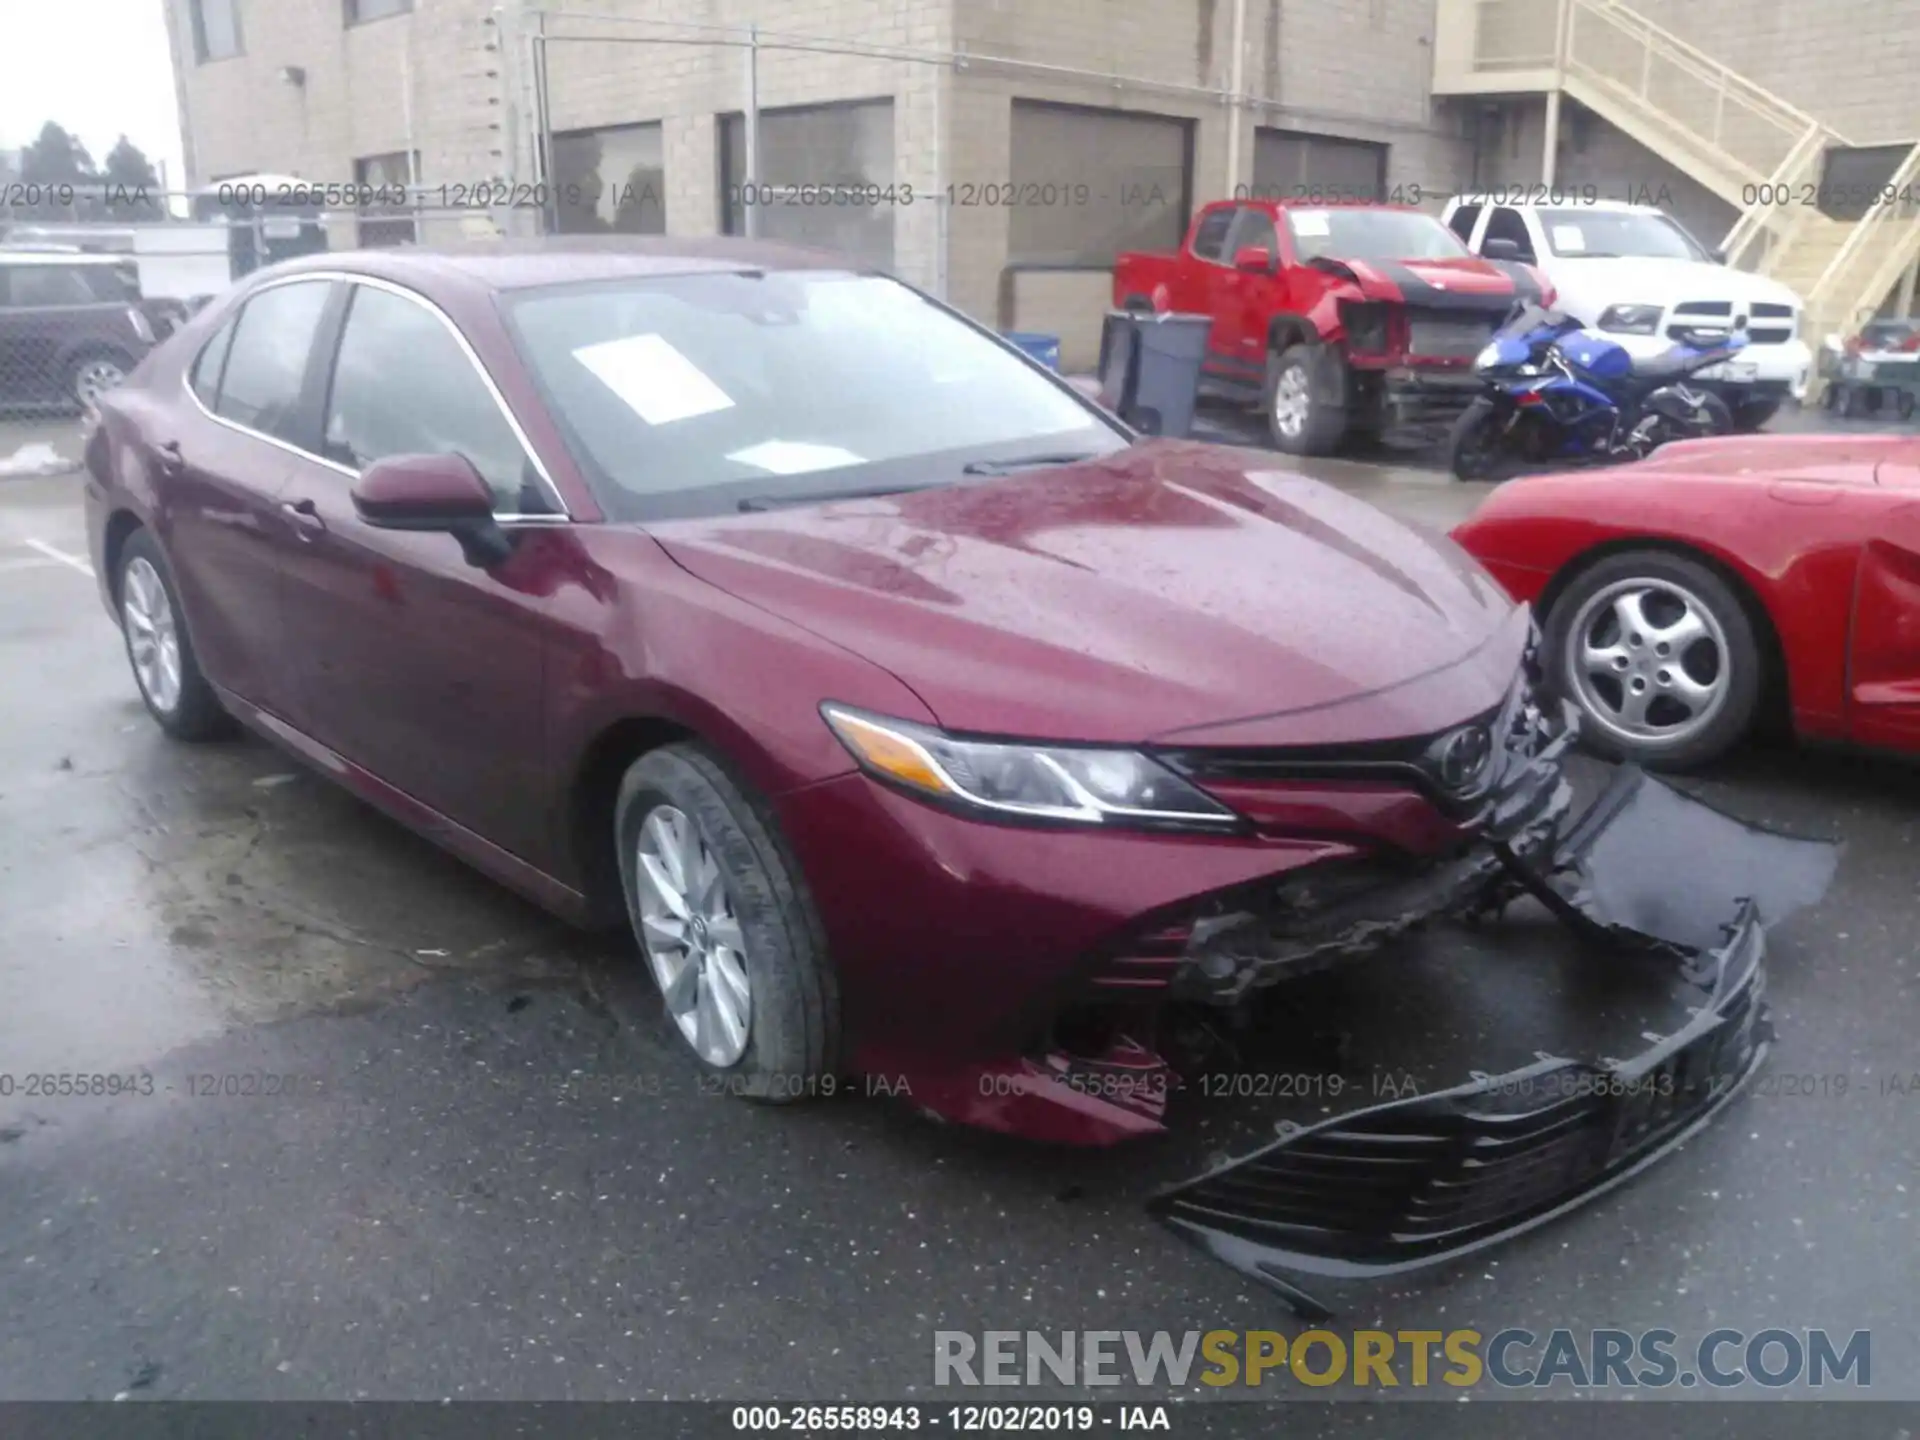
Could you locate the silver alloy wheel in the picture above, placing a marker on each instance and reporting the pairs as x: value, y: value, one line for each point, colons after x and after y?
x: 1648, y: 661
x: 692, y: 937
x: 94, y: 379
x: 153, y: 636
x: 1290, y: 401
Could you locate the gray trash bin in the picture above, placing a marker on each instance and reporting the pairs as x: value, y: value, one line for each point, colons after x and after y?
x: 1150, y: 368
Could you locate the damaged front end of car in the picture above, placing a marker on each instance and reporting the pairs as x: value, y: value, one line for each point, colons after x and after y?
x: 1646, y: 875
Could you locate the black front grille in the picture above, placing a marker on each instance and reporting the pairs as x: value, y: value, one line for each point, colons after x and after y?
x: 1516, y: 727
x: 1447, y: 334
x: 1417, y: 1180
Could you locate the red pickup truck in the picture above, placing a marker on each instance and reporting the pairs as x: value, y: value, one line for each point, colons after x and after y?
x: 1339, y: 320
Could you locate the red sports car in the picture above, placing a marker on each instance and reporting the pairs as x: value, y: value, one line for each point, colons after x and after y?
x: 1681, y: 595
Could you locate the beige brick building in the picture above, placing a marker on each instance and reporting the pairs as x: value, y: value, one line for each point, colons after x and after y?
x: 1101, y: 121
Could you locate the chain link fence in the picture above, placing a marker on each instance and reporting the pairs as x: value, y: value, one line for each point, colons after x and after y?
x: 89, y: 283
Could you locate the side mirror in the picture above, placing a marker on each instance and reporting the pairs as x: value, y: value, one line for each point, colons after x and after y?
x: 1500, y: 249
x: 1253, y: 260
x: 1718, y: 255
x: 434, y: 493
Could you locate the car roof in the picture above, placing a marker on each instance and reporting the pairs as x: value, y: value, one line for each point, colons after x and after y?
x: 44, y: 256
x: 1302, y: 202
x: 570, y: 259
x: 1570, y: 202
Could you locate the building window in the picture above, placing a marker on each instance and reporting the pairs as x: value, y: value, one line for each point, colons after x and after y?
x: 361, y: 11
x: 610, y: 181
x: 824, y: 174
x: 385, y: 218
x: 1295, y: 165
x: 216, y: 29
x: 1088, y: 184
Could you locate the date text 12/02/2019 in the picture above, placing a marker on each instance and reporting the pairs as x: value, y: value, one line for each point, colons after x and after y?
x: 959, y: 1419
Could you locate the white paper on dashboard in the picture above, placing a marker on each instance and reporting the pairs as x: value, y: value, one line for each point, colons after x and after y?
x: 1311, y: 222
x: 660, y: 383
x: 793, y: 457
x: 1569, y: 238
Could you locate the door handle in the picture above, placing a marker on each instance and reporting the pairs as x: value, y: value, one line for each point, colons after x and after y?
x: 169, y: 459
x: 305, y: 516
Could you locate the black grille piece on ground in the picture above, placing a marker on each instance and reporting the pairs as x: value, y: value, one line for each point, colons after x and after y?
x: 1422, y: 1180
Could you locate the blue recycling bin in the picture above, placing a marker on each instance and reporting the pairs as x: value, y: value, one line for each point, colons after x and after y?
x: 1043, y: 348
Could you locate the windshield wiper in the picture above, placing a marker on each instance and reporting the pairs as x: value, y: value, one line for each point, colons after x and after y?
x: 1023, y: 462
x: 819, y: 497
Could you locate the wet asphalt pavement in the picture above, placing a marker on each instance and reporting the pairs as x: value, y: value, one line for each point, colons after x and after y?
x: 394, y: 1134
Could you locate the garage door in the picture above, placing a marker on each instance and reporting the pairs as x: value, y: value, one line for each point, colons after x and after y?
x: 1292, y: 164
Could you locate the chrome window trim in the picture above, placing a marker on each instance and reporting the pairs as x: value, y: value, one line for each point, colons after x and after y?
x: 562, y: 516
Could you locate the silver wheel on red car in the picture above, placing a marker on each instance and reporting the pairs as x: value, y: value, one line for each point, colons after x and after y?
x: 1292, y: 402
x: 692, y: 938
x: 727, y: 925
x: 1660, y: 656
x: 159, y: 647
x: 153, y: 640
x: 1306, y: 388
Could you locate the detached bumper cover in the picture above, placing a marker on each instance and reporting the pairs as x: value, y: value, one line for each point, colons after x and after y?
x: 1648, y: 875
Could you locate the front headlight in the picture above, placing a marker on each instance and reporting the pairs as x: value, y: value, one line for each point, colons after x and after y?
x: 1631, y: 319
x: 1018, y: 780
x: 1488, y: 358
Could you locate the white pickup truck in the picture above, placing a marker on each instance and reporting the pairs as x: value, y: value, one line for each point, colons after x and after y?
x: 1634, y: 273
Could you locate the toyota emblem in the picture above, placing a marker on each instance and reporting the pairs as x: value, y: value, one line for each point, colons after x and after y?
x: 1464, y: 757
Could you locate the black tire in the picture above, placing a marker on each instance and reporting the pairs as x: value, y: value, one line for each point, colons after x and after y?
x: 1317, y: 374
x: 88, y: 367
x: 1723, y: 420
x: 1743, y: 658
x: 794, y: 1017
x: 1751, y: 416
x: 196, y: 714
x: 1471, y: 451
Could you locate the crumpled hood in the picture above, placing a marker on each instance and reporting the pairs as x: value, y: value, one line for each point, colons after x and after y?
x: 1170, y: 586
x: 1440, y: 281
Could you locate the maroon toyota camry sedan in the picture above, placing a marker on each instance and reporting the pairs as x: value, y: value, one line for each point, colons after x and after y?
x: 919, y: 718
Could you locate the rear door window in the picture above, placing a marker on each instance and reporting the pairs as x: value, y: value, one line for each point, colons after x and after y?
x: 205, y: 378
x: 266, y: 364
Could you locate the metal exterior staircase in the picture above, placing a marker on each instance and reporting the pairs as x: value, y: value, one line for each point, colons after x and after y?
x: 1755, y: 150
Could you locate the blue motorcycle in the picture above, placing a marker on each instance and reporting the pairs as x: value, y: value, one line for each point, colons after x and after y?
x: 1557, y: 393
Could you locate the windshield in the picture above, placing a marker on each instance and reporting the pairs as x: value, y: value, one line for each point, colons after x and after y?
x: 689, y: 394
x: 1597, y: 234
x: 1372, y: 235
